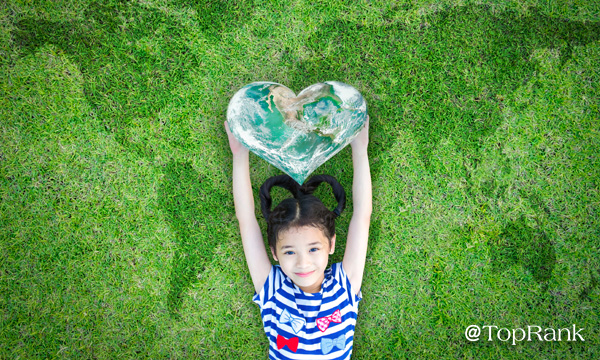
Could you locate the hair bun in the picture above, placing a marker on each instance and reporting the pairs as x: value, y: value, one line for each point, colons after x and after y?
x: 283, y: 181
x: 338, y: 191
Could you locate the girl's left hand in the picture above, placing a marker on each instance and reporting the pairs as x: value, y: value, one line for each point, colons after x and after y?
x: 234, y: 144
x: 361, y: 141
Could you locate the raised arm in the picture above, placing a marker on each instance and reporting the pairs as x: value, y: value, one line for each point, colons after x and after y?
x: 252, y: 240
x: 358, y: 231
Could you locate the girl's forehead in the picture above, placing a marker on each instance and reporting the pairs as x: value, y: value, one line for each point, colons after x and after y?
x: 301, y: 236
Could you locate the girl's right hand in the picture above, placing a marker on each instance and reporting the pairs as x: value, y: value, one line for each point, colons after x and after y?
x: 234, y: 144
x: 361, y: 141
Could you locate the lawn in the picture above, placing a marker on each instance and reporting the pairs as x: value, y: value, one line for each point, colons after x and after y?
x: 118, y: 236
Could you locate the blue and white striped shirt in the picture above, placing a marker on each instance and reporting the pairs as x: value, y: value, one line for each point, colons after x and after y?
x: 309, y: 326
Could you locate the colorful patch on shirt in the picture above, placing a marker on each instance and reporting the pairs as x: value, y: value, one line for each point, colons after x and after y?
x: 323, y: 323
x: 291, y: 343
x: 328, y: 344
x: 295, y: 322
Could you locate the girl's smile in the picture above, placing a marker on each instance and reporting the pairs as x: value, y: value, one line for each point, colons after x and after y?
x: 305, y: 274
x: 303, y: 254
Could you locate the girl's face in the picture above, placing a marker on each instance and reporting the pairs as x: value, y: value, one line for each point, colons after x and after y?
x: 303, y: 254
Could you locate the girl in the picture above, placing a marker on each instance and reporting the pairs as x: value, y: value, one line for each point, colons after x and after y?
x: 308, y: 311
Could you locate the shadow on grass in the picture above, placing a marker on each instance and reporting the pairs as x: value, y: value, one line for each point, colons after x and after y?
x: 447, y: 79
x: 587, y: 290
x: 519, y: 244
x: 132, y: 59
x: 216, y: 17
x: 194, y: 209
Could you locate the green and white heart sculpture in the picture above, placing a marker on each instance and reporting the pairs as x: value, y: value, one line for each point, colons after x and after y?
x: 296, y: 134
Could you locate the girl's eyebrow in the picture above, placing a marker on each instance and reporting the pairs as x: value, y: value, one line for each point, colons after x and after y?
x: 291, y: 246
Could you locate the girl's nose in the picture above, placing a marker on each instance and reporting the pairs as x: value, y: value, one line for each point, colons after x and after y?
x: 302, y: 261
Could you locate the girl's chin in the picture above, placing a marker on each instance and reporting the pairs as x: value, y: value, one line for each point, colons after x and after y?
x: 311, y: 289
x: 308, y: 284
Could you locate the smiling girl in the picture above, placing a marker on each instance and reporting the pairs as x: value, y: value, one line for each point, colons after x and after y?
x: 308, y: 310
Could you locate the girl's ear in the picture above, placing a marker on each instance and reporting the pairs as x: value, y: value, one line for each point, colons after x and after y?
x: 273, y: 253
x: 332, y: 245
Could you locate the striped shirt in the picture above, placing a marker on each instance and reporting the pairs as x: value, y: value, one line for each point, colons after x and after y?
x: 307, y: 326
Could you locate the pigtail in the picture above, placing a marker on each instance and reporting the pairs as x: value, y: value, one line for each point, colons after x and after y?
x: 283, y: 181
x: 338, y: 191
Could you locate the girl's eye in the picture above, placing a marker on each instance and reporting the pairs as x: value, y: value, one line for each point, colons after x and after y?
x: 314, y: 249
x: 289, y: 253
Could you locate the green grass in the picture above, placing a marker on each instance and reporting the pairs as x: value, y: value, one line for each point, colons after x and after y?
x: 118, y: 236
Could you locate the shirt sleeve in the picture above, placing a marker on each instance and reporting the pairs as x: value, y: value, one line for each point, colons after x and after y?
x: 272, y: 284
x: 341, y: 276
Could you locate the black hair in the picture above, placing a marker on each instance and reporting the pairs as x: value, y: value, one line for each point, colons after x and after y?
x: 303, y: 209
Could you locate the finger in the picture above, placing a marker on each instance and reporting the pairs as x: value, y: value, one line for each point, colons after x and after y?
x: 227, y: 128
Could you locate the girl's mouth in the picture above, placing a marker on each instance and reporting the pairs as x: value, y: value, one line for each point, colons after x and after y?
x: 305, y: 274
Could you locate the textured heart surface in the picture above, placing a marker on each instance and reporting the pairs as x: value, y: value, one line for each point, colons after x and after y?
x: 296, y: 133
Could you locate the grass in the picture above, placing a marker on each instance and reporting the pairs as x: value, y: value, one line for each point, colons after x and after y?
x: 117, y: 227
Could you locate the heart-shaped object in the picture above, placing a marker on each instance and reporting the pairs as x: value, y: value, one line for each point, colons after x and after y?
x: 296, y: 133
